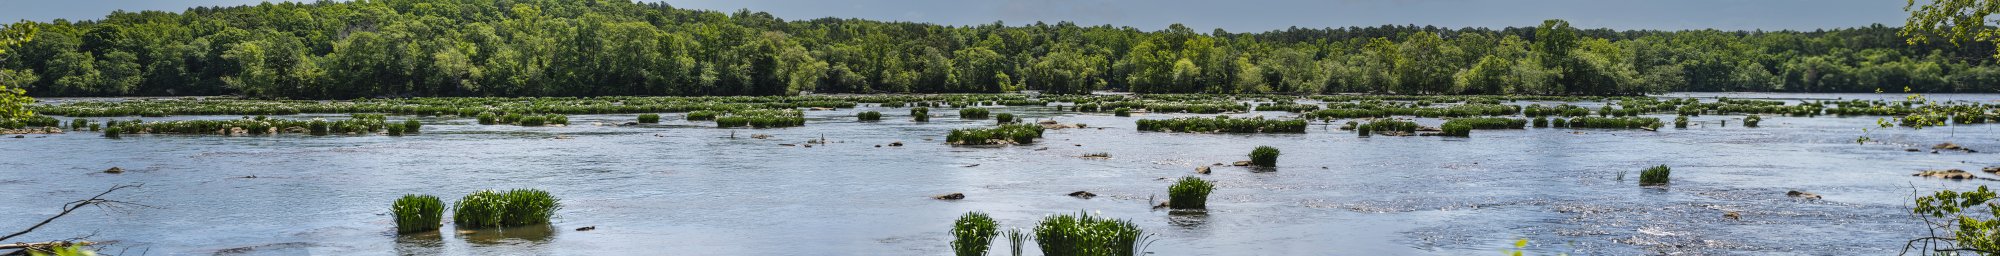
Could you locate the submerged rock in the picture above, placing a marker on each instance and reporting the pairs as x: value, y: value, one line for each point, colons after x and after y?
x: 760, y: 136
x: 1947, y: 145
x: 1201, y: 169
x: 589, y: 228
x: 1099, y: 155
x: 114, y: 170
x: 1082, y: 194
x: 1732, y: 215
x: 1241, y: 163
x: 952, y: 196
x: 1991, y: 169
x: 1954, y: 174
x: 1802, y: 194
x: 896, y: 144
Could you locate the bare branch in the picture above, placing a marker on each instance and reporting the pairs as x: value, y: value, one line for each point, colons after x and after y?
x: 78, y: 204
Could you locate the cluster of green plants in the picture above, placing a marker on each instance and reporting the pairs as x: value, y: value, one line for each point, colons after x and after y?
x: 1655, y: 176
x: 1003, y: 134
x: 1265, y: 156
x: 869, y: 116
x: 1383, y: 126
x: 1970, y: 218
x: 1122, y: 111
x: 417, y: 213
x: 974, y: 113
x: 920, y: 114
x: 1084, y: 234
x: 649, y: 118
x: 762, y: 118
x: 1752, y: 120
x: 973, y: 234
x: 1190, y: 193
x: 702, y: 115
x: 1005, y: 118
x: 1287, y: 106
x: 1612, y: 122
x: 359, y: 124
x: 1681, y: 122
x: 30, y: 121
x: 1222, y: 124
x: 1490, y: 123
x: 513, y: 208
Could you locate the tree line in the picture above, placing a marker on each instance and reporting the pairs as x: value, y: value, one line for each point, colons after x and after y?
x: 404, y: 48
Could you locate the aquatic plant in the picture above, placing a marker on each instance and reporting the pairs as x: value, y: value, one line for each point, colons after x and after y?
x: 1265, y: 156
x: 1752, y: 120
x: 1455, y: 129
x: 519, y: 207
x: 1615, y: 122
x: 1086, y: 235
x: 1222, y: 124
x: 1015, y: 239
x: 702, y: 115
x: 533, y: 121
x: 488, y: 118
x: 1005, y: 118
x: 1656, y: 175
x: 762, y: 118
x: 921, y: 114
x: 79, y: 124
x: 1122, y: 112
x: 1490, y: 123
x: 1681, y: 122
x: 112, y: 132
x: 1541, y: 122
x: 973, y: 234
x: 1559, y: 122
x: 1189, y: 193
x: 412, y: 126
x: 513, y: 118
x: 649, y: 118
x: 869, y: 116
x: 973, y: 113
x: 417, y: 213
x: 1003, y: 134
x: 395, y: 129
x: 73, y: 249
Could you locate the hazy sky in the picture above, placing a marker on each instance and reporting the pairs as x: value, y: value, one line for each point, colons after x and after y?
x: 1234, y: 15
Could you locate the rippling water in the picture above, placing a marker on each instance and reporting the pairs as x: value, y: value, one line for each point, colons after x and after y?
x: 687, y: 188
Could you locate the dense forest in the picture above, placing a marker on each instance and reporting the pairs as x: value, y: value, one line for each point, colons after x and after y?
x: 402, y: 48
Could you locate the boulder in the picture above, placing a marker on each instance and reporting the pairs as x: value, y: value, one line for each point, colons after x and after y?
x: 896, y: 144
x: 1954, y: 174
x: 1991, y: 169
x: 1948, y: 145
x: 1732, y: 215
x: 589, y: 228
x: 1802, y: 195
x: 1201, y: 169
x: 1241, y: 163
x: 114, y: 170
x: 952, y: 196
x: 1082, y: 194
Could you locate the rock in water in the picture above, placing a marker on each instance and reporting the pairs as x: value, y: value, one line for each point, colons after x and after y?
x: 1241, y: 163
x: 587, y: 228
x: 1954, y: 174
x: 1947, y: 145
x: 1802, y: 194
x: 1082, y: 194
x: 1201, y: 169
x: 1732, y: 215
x: 114, y: 170
x: 1991, y: 169
x: 952, y: 196
x: 896, y: 144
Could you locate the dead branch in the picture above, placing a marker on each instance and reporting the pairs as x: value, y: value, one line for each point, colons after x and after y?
x: 97, y: 200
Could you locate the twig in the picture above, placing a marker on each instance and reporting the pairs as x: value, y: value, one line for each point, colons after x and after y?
x: 73, y: 206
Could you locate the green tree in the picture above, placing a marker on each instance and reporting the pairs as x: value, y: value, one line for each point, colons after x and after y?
x: 14, y: 100
x: 1955, y: 21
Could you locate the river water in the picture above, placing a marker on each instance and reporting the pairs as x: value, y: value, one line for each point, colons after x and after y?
x: 686, y: 188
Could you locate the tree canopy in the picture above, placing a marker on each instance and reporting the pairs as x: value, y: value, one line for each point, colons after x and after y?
x: 403, y: 48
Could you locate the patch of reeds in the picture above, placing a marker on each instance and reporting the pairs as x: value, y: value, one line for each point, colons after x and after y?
x: 762, y: 118
x: 1681, y: 122
x: 1655, y: 176
x: 1083, y: 234
x: 1222, y: 124
x: 1005, y: 118
x: 1122, y: 112
x: 1752, y: 120
x: 1265, y: 156
x: 1003, y: 134
x: 973, y: 234
x: 702, y: 115
x: 418, y: 213
x: 920, y: 114
x: 488, y: 118
x: 869, y: 116
x: 1190, y: 193
x: 1615, y: 122
x: 974, y: 113
x: 649, y: 118
x: 491, y: 209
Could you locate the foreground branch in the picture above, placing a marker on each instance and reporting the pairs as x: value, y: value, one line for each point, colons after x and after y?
x: 97, y: 200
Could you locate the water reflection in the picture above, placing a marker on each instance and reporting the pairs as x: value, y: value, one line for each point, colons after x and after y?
x: 534, y: 234
x: 1187, y: 218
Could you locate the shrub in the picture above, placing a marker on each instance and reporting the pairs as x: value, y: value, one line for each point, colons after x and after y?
x: 1189, y: 193
x: 1542, y: 122
x: 418, y: 213
x: 762, y: 118
x: 870, y: 116
x: 412, y: 126
x: 649, y: 118
x: 1005, y: 118
x: 1083, y: 234
x: 558, y: 119
x: 1455, y: 129
x: 519, y: 207
x: 1265, y: 156
x: 921, y: 114
x: 1615, y: 122
x: 1122, y: 112
x: 1681, y: 122
x: 1223, y: 124
x: 973, y: 113
x: 512, y: 118
x: 488, y: 118
x: 111, y: 132
x: 395, y: 129
x: 79, y: 124
x: 1560, y: 122
x: 1006, y: 133
x: 1490, y: 123
x: 1751, y: 121
x: 702, y: 115
x: 973, y: 233
x: 533, y: 121
x: 1656, y: 175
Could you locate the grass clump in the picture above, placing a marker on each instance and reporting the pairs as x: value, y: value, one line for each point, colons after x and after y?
x: 973, y: 234
x: 1265, y: 156
x: 869, y: 116
x: 1122, y: 112
x: 649, y: 118
x: 1655, y: 176
x: 1615, y: 122
x: 514, y: 208
x: 488, y: 118
x: 1455, y: 129
x: 1223, y: 124
x: 1752, y: 120
x: 702, y: 115
x: 1542, y: 122
x: 1681, y: 122
x: 974, y: 113
x: 1385, y: 126
x: 763, y: 118
x: 1083, y: 234
x: 921, y: 114
x: 418, y: 213
x: 533, y: 121
x: 412, y: 126
x: 1004, y: 134
x: 1005, y: 118
x: 395, y: 129
x: 1189, y: 193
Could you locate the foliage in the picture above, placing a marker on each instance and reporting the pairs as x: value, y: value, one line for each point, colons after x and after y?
x: 921, y: 114
x: 1085, y: 235
x: 1189, y: 193
x: 702, y: 115
x: 649, y: 118
x: 1959, y: 213
x: 869, y: 116
x: 973, y: 113
x: 72, y: 250
x: 1121, y: 112
x: 1005, y: 118
x: 1751, y: 121
x: 1222, y: 124
x: 1003, y: 134
x: 762, y: 118
x: 973, y: 234
x: 1654, y: 176
x: 1681, y: 122
x: 14, y: 100
x: 418, y: 213
x: 1265, y: 156
x: 519, y: 207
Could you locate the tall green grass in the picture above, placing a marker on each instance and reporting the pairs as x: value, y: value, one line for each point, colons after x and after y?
x: 1681, y: 122
x: 1005, y: 118
x: 488, y: 118
x: 920, y: 114
x: 762, y: 118
x: 491, y: 209
x: 1189, y: 193
x: 418, y: 213
x: 869, y: 116
x: 1222, y: 124
x: 973, y: 234
x: 1654, y: 176
x: 1265, y: 156
x: 1752, y: 120
x: 974, y: 113
x: 649, y: 118
x: 702, y: 115
x: 1086, y: 235
x: 1122, y: 112
x: 1003, y: 134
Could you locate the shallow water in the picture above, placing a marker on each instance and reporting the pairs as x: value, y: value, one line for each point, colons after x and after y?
x: 686, y: 188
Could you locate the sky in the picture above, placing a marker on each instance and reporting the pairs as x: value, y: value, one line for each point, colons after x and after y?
x: 1232, y: 15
